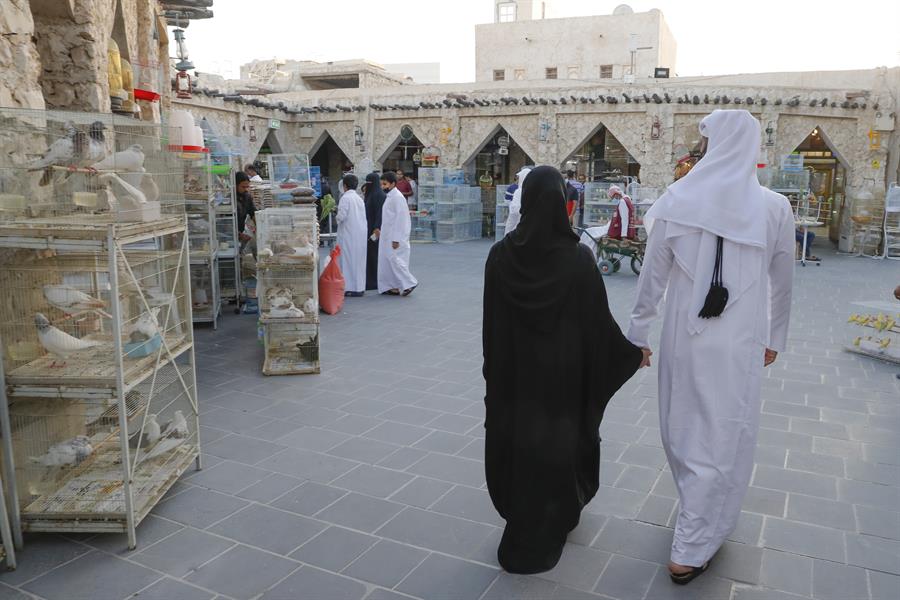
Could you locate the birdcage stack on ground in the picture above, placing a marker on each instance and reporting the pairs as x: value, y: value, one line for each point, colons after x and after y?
x: 200, y: 195
x: 225, y: 163
x: 95, y: 330
x: 287, y: 289
x: 289, y: 178
x: 598, y: 209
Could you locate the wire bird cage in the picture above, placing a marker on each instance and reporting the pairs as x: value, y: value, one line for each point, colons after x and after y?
x: 288, y: 173
x: 96, y: 328
x: 502, y: 213
x: 202, y: 187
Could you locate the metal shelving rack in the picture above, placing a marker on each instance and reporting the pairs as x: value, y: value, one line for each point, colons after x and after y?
x: 98, y: 402
x: 200, y: 206
x: 229, y: 247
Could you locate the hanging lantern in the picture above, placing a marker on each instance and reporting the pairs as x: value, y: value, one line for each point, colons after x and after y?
x: 417, y: 158
x: 252, y: 133
x: 655, y: 129
x: 874, y: 139
x: 182, y: 85
x: 770, y: 134
x: 357, y: 135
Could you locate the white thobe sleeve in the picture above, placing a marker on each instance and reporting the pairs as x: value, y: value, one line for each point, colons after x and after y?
x: 512, y: 220
x: 343, y: 209
x: 651, y: 286
x: 781, y: 281
x: 388, y: 219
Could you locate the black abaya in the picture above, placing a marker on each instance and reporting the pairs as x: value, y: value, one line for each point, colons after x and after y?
x: 553, y: 358
x: 374, y: 199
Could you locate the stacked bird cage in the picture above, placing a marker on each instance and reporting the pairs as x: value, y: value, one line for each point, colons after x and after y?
x: 457, y: 213
x: 287, y: 289
x: 200, y: 204
x: 598, y: 210
x: 290, y: 179
x: 225, y: 159
x: 99, y: 406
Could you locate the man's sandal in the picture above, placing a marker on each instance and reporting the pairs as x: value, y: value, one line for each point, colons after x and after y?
x: 686, y: 578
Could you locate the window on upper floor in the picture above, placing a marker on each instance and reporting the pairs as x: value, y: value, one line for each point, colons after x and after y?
x: 573, y: 72
x: 499, y: 74
x: 506, y: 12
x: 606, y: 71
x: 550, y: 73
x: 519, y: 74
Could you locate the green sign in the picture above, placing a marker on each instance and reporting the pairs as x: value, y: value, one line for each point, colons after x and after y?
x: 274, y: 124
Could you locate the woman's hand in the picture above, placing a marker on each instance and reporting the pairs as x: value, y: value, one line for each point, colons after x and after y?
x: 645, y: 361
x: 771, y: 355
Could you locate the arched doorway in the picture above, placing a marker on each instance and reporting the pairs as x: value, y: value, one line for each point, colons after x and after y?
x: 828, y: 173
x: 498, y: 156
x: 270, y: 145
x: 602, y: 157
x: 330, y: 159
x: 404, y: 154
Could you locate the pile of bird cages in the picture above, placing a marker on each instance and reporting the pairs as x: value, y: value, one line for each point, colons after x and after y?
x: 292, y: 347
x: 289, y: 177
x: 451, y: 232
x: 429, y: 176
x: 289, y: 292
x: 422, y: 224
x: 200, y: 205
x: 261, y: 193
x: 95, y: 270
x: 288, y: 236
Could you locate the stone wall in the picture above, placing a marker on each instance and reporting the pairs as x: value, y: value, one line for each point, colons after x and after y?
x: 20, y: 64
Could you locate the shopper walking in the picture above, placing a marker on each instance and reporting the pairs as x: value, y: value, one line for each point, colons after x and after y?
x: 515, y: 205
x: 351, y: 236
x: 374, y: 199
x: 716, y: 224
x: 553, y: 357
x: 394, y: 277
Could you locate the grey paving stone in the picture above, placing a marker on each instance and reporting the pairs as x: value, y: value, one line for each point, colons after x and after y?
x: 880, y: 454
x: 815, y: 463
x: 819, y: 511
x: 243, y: 572
x: 443, y: 533
x: 318, y: 417
x: 657, y: 510
x: 421, y: 492
x: 630, y: 434
x: 269, y: 488
x: 373, y: 481
x: 738, y: 562
x: 635, y: 539
x: 819, y: 429
x: 791, y: 410
x: 363, y: 450
x: 315, y: 584
x: 305, y: 464
x: 170, y: 589
x: 474, y: 451
x: 309, y: 498
x: 883, y: 586
x: 402, y: 458
x: 41, y: 554
x: 522, y: 587
x: 273, y: 430
x: 233, y: 421
x: 616, y: 502
x: 777, y: 422
x: 450, y: 468
x: 352, y: 424
x: 359, y: 512
x: 579, y: 567
x: 397, y: 433
x: 227, y: 476
x: 886, y: 474
x: 785, y: 439
x: 878, y: 522
x: 386, y: 563
x: 807, y: 540
x: 838, y: 582
x: 610, y: 472
x: 743, y: 593
x: 198, y: 507
x: 443, y: 442
x: 443, y: 577
x: 383, y: 594
x: 839, y: 448
x: 9, y: 593
x: 748, y: 529
x: 77, y: 580
x: 268, y: 528
x: 313, y: 438
x: 281, y: 409
x: 151, y: 530
x: 588, y: 527
x: 665, y: 486
x: 708, y: 586
x: 334, y: 548
x: 869, y: 494
x: 454, y: 423
x: 367, y: 407
x: 878, y: 554
x: 626, y: 578
x: 637, y: 479
x: 182, y: 552
x: 469, y: 503
x: 770, y: 455
x: 795, y: 481
x: 788, y: 572
x: 242, y: 449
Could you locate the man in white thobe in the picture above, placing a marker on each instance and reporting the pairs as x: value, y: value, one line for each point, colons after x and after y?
x: 394, y: 277
x: 710, y: 368
x: 351, y: 236
x: 515, y: 205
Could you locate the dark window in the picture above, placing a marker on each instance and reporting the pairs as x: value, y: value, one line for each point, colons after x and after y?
x: 499, y: 74
x: 606, y: 71
x: 550, y: 72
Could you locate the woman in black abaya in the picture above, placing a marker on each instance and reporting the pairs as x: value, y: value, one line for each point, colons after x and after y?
x: 374, y: 198
x: 553, y: 357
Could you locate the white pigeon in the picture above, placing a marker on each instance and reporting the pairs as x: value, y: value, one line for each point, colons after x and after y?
x: 63, y: 152
x: 123, y: 190
x: 147, y: 325
x: 177, y: 427
x: 286, y: 312
x: 70, y: 452
x: 129, y: 160
x: 149, y: 187
x: 151, y: 435
x: 57, y: 342
x: 310, y: 307
x: 73, y: 301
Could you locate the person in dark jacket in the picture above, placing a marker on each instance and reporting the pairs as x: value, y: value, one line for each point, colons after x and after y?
x: 245, y: 208
x: 374, y: 198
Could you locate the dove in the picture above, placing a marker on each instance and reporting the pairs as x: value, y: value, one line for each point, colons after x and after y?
x: 96, y: 147
x: 130, y: 160
x: 151, y: 435
x: 146, y: 327
x: 286, y: 312
x: 73, y: 301
x: 63, y: 152
x: 57, y: 342
x: 70, y: 452
x: 177, y: 427
x: 123, y: 189
x: 310, y: 306
x: 150, y: 189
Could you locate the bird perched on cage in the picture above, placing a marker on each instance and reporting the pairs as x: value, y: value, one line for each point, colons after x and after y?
x: 73, y: 301
x: 151, y: 434
x: 64, y: 152
x: 146, y: 327
x: 69, y: 452
x: 58, y: 342
x: 129, y: 160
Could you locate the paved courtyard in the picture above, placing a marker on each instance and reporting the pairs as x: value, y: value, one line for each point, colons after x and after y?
x: 367, y: 481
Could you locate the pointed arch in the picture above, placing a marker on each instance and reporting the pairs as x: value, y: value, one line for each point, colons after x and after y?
x: 487, y: 139
x: 324, y: 136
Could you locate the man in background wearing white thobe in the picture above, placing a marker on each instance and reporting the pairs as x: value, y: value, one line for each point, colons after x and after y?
x: 710, y: 368
x: 351, y: 236
x: 515, y: 205
x: 394, y: 277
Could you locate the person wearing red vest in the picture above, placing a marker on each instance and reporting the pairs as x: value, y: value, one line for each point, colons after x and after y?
x: 623, y: 217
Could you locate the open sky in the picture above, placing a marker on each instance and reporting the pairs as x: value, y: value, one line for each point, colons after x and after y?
x: 714, y: 36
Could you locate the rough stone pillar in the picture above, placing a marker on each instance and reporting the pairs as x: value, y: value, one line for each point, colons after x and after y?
x: 20, y: 64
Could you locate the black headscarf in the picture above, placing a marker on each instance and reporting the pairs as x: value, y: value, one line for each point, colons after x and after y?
x: 539, y: 257
x: 374, y: 200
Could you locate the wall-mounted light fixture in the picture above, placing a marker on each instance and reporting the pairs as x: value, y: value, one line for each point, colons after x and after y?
x: 358, y: 135
x: 655, y: 129
x: 770, y: 134
x: 544, y: 130
x: 252, y: 132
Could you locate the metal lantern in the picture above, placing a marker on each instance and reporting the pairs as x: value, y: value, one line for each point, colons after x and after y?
x: 770, y: 134
x: 357, y: 135
x: 252, y: 132
x: 183, y: 85
x: 655, y: 129
x: 544, y: 130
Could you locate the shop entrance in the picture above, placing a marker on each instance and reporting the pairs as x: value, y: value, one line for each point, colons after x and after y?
x: 828, y: 172
x: 405, y: 154
x: 602, y: 157
x: 270, y: 145
x: 331, y: 160
x: 496, y: 161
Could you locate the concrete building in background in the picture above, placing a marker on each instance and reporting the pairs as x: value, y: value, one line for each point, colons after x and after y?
x: 524, y: 44
x: 418, y: 72
x: 296, y: 75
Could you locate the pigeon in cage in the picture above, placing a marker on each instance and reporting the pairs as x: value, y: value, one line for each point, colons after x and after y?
x: 287, y: 312
x: 64, y: 152
x: 280, y: 297
x: 151, y: 434
x: 177, y: 427
x: 146, y: 327
x: 129, y: 160
x: 59, y: 343
x: 126, y: 195
x: 73, y: 301
x: 310, y: 306
x: 70, y: 452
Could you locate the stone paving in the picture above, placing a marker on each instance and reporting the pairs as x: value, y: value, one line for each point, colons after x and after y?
x: 367, y: 481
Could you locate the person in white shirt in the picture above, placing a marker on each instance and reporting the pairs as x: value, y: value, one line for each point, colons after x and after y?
x: 394, y: 277
x: 720, y: 250
x: 351, y: 236
x: 515, y: 205
x: 252, y: 173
